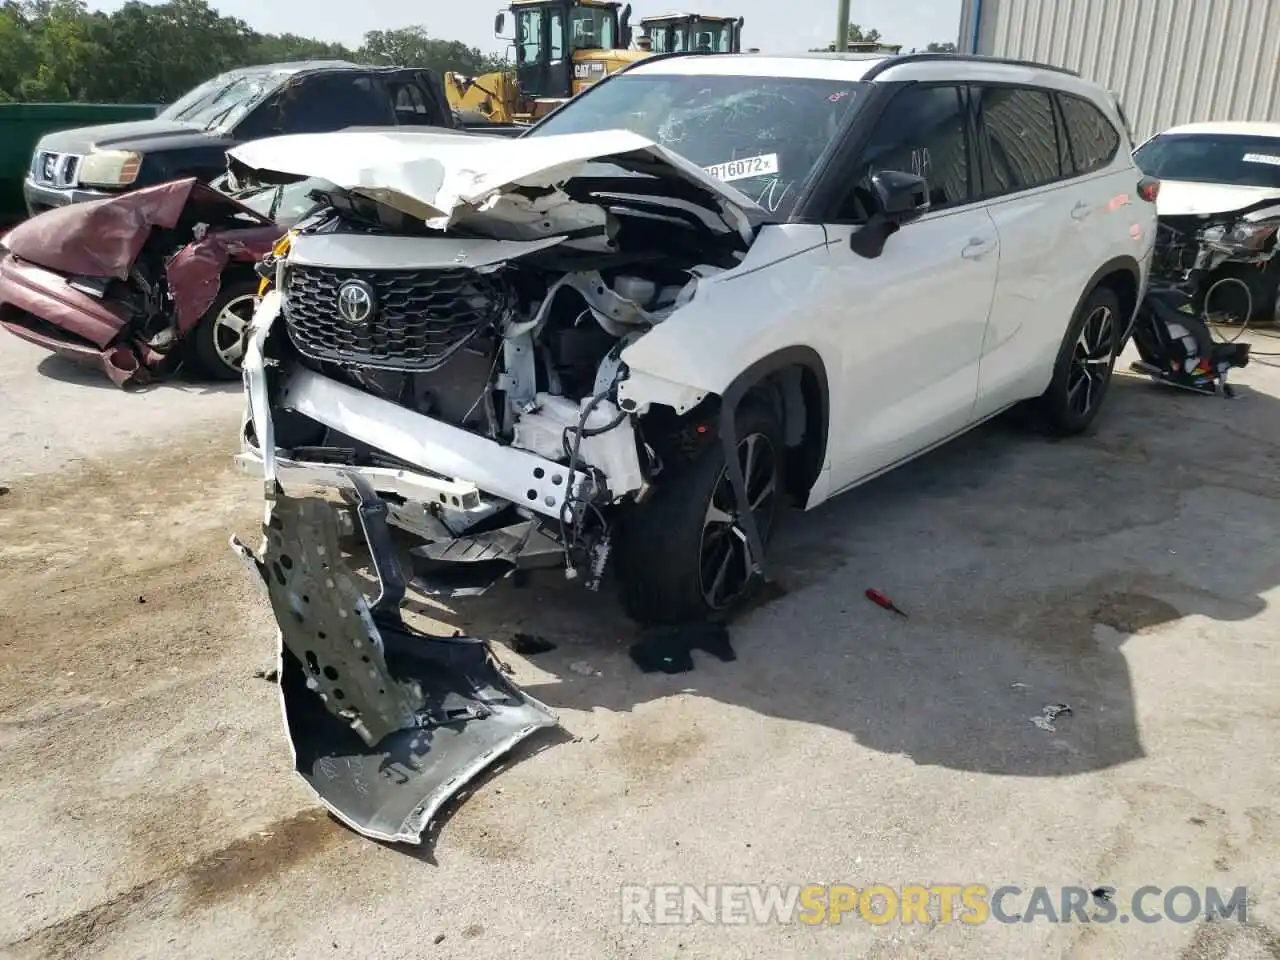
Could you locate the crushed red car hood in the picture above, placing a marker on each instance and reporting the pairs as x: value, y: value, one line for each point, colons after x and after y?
x: 102, y: 238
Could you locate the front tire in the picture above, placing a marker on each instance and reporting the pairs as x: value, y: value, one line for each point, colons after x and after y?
x: 217, y: 343
x: 683, y: 556
x: 1085, y: 364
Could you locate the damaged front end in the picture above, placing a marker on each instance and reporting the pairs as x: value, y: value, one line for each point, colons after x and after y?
x: 120, y: 283
x: 385, y: 722
x: 457, y: 339
x: 442, y: 351
x: 1225, y: 261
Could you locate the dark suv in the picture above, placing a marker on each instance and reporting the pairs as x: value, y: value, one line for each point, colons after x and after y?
x: 191, y: 136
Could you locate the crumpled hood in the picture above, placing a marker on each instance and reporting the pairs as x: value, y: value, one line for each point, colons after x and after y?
x: 102, y: 238
x: 437, y: 177
x: 1179, y: 198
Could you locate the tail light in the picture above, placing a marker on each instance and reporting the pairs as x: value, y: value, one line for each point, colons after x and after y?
x: 1149, y: 189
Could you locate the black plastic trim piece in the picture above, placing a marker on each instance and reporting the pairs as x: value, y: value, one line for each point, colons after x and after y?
x: 896, y: 61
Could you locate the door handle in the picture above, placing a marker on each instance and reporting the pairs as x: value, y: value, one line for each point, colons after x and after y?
x: 1081, y: 210
x: 977, y: 248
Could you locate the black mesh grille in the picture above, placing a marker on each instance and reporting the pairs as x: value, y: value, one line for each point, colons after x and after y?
x: 420, y: 317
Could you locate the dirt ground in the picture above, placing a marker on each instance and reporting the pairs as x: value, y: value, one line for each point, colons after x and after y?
x: 148, y: 808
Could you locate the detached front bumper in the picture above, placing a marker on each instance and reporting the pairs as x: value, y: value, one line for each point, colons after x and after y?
x: 385, y: 722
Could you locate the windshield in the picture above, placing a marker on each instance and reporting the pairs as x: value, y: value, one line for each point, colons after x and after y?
x: 221, y: 101
x: 1230, y: 159
x: 765, y: 135
x: 283, y: 204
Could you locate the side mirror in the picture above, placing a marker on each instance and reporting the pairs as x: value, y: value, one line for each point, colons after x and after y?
x: 900, y: 198
x: 500, y: 25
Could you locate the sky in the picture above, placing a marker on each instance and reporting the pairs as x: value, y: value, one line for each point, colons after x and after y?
x: 773, y: 26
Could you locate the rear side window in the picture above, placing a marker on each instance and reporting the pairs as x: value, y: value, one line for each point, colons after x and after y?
x: 1019, y: 138
x: 410, y: 106
x: 1092, y: 139
x: 923, y: 131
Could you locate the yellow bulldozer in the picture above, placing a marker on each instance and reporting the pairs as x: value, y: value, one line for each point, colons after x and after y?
x: 681, y: 32
x: 561, y: 48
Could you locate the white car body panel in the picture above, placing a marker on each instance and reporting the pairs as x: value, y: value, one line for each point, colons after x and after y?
x: 1054, y: 240
x: 910, y: 371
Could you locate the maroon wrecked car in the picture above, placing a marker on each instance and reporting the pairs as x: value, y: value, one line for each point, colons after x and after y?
x: 141, y: 283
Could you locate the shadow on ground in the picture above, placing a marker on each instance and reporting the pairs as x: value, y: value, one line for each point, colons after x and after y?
x: 64, y: 370
x: 1024, y: 564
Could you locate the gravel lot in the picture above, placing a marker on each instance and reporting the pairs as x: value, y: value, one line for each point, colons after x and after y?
x: 148, y: 809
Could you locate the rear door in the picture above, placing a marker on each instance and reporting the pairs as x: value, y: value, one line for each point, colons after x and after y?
x: 1044, y: 215
x: 913, y: 320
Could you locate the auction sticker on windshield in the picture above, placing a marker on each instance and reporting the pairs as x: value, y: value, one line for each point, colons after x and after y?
x: 747, y: 167
x: 1262, y: 158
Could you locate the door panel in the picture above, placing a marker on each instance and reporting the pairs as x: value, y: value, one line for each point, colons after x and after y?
x: 913, y: 320
x: 1044, y: 217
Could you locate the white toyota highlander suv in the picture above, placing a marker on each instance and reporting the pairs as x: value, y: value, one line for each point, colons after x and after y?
x: 707, y: 285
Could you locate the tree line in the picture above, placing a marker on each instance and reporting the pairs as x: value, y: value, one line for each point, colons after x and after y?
x: 60, y: 51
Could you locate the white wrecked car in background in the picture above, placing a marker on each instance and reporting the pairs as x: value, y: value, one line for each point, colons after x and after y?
x: 591, y: 348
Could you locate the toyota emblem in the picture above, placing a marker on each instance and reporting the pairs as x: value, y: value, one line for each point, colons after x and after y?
x: 355, y: 302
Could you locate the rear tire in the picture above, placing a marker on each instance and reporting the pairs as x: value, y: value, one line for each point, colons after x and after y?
x: 1085, y: 364
x: 681, y: 558
x: 217, y: 343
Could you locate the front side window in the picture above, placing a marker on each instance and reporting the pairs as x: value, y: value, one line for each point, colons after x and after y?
x: 529, y: 35
x: 1090, y: 135
x: 1230, y: 159
x: 763, y: 135
x: 1021, y: 139
x: 923, y: 131
x: 591, y: 29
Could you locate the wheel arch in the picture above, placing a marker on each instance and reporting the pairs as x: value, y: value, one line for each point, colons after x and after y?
x: 796, y: 378
x: 1122, y: 275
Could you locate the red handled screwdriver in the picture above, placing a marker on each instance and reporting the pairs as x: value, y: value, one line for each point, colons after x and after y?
x: 880, y: 600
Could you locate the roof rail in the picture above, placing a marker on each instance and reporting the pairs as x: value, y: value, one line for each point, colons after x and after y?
x: 888, y: 62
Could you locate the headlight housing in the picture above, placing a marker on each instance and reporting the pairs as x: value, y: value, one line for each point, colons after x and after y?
x: 110, y: 168
x: 1251, y: 235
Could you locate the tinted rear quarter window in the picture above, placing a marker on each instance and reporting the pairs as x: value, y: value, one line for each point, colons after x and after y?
x: 1020, y: 139
x: 1092, y: 138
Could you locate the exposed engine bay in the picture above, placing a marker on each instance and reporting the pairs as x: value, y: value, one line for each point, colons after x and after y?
x: 1224, y: 261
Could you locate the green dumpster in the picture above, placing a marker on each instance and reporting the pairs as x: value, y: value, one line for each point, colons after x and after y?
x: 22, y: 124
